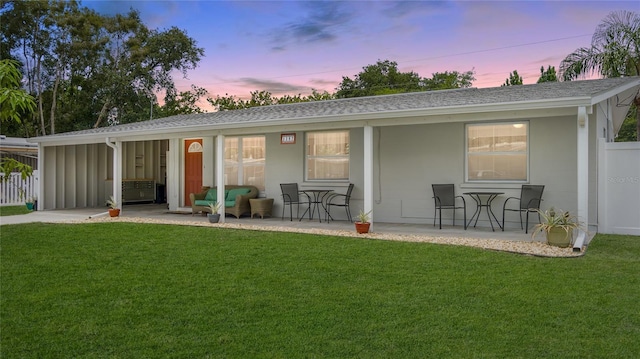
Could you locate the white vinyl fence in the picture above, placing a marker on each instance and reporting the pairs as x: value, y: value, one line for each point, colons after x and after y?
x: 15, y: 191
x: 619, y: 188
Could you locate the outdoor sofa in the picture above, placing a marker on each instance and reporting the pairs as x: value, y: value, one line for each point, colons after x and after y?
x: 236, y: 199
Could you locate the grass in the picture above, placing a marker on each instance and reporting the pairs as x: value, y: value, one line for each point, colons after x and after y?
x: 13, y: 210
x: 129, y: 290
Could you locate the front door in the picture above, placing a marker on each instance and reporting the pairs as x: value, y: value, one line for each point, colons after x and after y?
x: 192, y: 168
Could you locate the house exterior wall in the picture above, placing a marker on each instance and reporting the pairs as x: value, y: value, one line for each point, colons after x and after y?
x: 285, y: 163
x: 414, y: 157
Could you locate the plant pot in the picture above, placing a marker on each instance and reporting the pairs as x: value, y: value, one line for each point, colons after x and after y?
x: 558, y: 237
x: 362, y: 227
x: 114, y: 212
x: 213, y: 217
x: 29, y: 206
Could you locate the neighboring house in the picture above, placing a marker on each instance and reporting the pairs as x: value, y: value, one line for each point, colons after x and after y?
x: 20, y: 150
x: 391, y: 147
x: 15, y: 190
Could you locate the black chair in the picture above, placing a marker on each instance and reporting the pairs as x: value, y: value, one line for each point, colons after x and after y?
x: 291, y: 196
x: 340, y: 200
x: 530, y: 198
x: 445, y: 198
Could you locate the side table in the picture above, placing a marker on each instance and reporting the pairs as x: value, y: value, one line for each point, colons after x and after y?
x: 261, y: 206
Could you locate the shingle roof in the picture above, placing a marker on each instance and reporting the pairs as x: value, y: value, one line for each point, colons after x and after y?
x: 307, y: 111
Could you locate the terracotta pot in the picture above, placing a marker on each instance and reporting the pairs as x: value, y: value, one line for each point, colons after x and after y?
x: 114, y: 212
x: 362, y: 227
x: 559, y: 237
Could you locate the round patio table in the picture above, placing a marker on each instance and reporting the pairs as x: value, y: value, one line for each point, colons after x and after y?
x: 483, y: 200
x: 316, y: 199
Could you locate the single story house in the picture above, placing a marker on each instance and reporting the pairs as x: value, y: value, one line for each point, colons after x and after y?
x: 392, y: 147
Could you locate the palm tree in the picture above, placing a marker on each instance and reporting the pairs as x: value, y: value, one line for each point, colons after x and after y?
x: 614, y: 52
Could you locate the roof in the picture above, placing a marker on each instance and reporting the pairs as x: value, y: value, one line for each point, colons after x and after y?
x: 544, y: 95
x: 17, y: 144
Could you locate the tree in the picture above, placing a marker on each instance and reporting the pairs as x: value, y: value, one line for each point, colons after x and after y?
x: 185, y: 102
x: 513, y: 79
x: 549, y: 75
x: 379, y: 79
x: 89, y: 70
x: 264, y: 98
x: 14, y: 102
x: 614, y: 52
x: 449, y: 80
x: 384, y: 78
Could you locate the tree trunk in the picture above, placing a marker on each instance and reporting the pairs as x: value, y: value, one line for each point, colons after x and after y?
x: 52, y: 119
x: 40, y: 109
x: 102, y: 114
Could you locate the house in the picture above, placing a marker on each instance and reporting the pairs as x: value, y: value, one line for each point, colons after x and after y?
x: 20, y: 150
x: 391, y: 147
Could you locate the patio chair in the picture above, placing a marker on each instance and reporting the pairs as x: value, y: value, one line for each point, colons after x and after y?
x: 445, y: 198
x: 290, y: 196
x: 529, y: 201
x: 340, y: 200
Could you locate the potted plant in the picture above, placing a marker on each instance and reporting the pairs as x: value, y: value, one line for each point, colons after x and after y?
x: 363, y: 224
x: 30, y: 203
x: 114, y: 211
x: 214, y: 216
x: 558, y: 226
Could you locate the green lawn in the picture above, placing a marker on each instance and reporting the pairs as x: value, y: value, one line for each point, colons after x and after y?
x: 124, y: 290
x: 13, y: 210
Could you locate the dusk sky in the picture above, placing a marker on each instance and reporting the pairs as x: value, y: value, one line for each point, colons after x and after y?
x: 291, y: 47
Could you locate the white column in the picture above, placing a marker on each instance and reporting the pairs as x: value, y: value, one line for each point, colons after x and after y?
x: 40, y: 177
x: 368, y: 171
x: 583, y: 165
x: 173, y: 174
x: 220, y: 174
x: 117, y: 170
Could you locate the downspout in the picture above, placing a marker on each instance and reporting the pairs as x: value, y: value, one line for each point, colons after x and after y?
x: 583, y: 175
x: 117, y: 171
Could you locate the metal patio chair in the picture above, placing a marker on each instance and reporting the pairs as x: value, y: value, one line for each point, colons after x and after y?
x: 445, y: 198
x: 529, y: 202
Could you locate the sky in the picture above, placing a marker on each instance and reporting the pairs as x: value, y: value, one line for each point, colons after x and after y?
x: 292, y: 47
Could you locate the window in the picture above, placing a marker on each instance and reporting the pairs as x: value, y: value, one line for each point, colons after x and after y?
x: 244, y: 160
x: 497, y: 152
x: 327, y: 155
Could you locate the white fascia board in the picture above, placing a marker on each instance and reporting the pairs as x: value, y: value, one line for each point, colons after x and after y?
x: 635, y: 85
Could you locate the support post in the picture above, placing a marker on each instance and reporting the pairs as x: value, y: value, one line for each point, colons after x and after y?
x: 220, y: 174
x: 368, y: 171
x: 117, y: 170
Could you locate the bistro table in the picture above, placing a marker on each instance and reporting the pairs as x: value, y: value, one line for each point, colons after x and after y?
x: 488, y: 197
x: 316, y: 198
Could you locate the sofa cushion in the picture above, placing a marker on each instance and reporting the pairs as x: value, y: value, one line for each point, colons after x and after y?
x: 212, y: 194
x: 230, y: 203
x: 231, y: 196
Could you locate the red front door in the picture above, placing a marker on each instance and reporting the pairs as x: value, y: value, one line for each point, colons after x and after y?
x: 192, y: 168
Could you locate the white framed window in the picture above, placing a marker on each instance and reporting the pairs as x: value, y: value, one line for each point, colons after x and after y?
x: 497, y: 152
x: 244, y: 161
x: 327, y: 155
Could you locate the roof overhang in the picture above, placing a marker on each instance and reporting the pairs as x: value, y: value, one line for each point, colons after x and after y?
x: 483, y: 112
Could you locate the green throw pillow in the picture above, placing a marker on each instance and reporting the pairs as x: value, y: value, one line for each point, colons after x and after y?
x: 231, y: 196
x: 212, y: 195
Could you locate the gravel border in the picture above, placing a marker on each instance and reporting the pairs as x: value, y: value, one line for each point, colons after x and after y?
x: 527, y: 248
